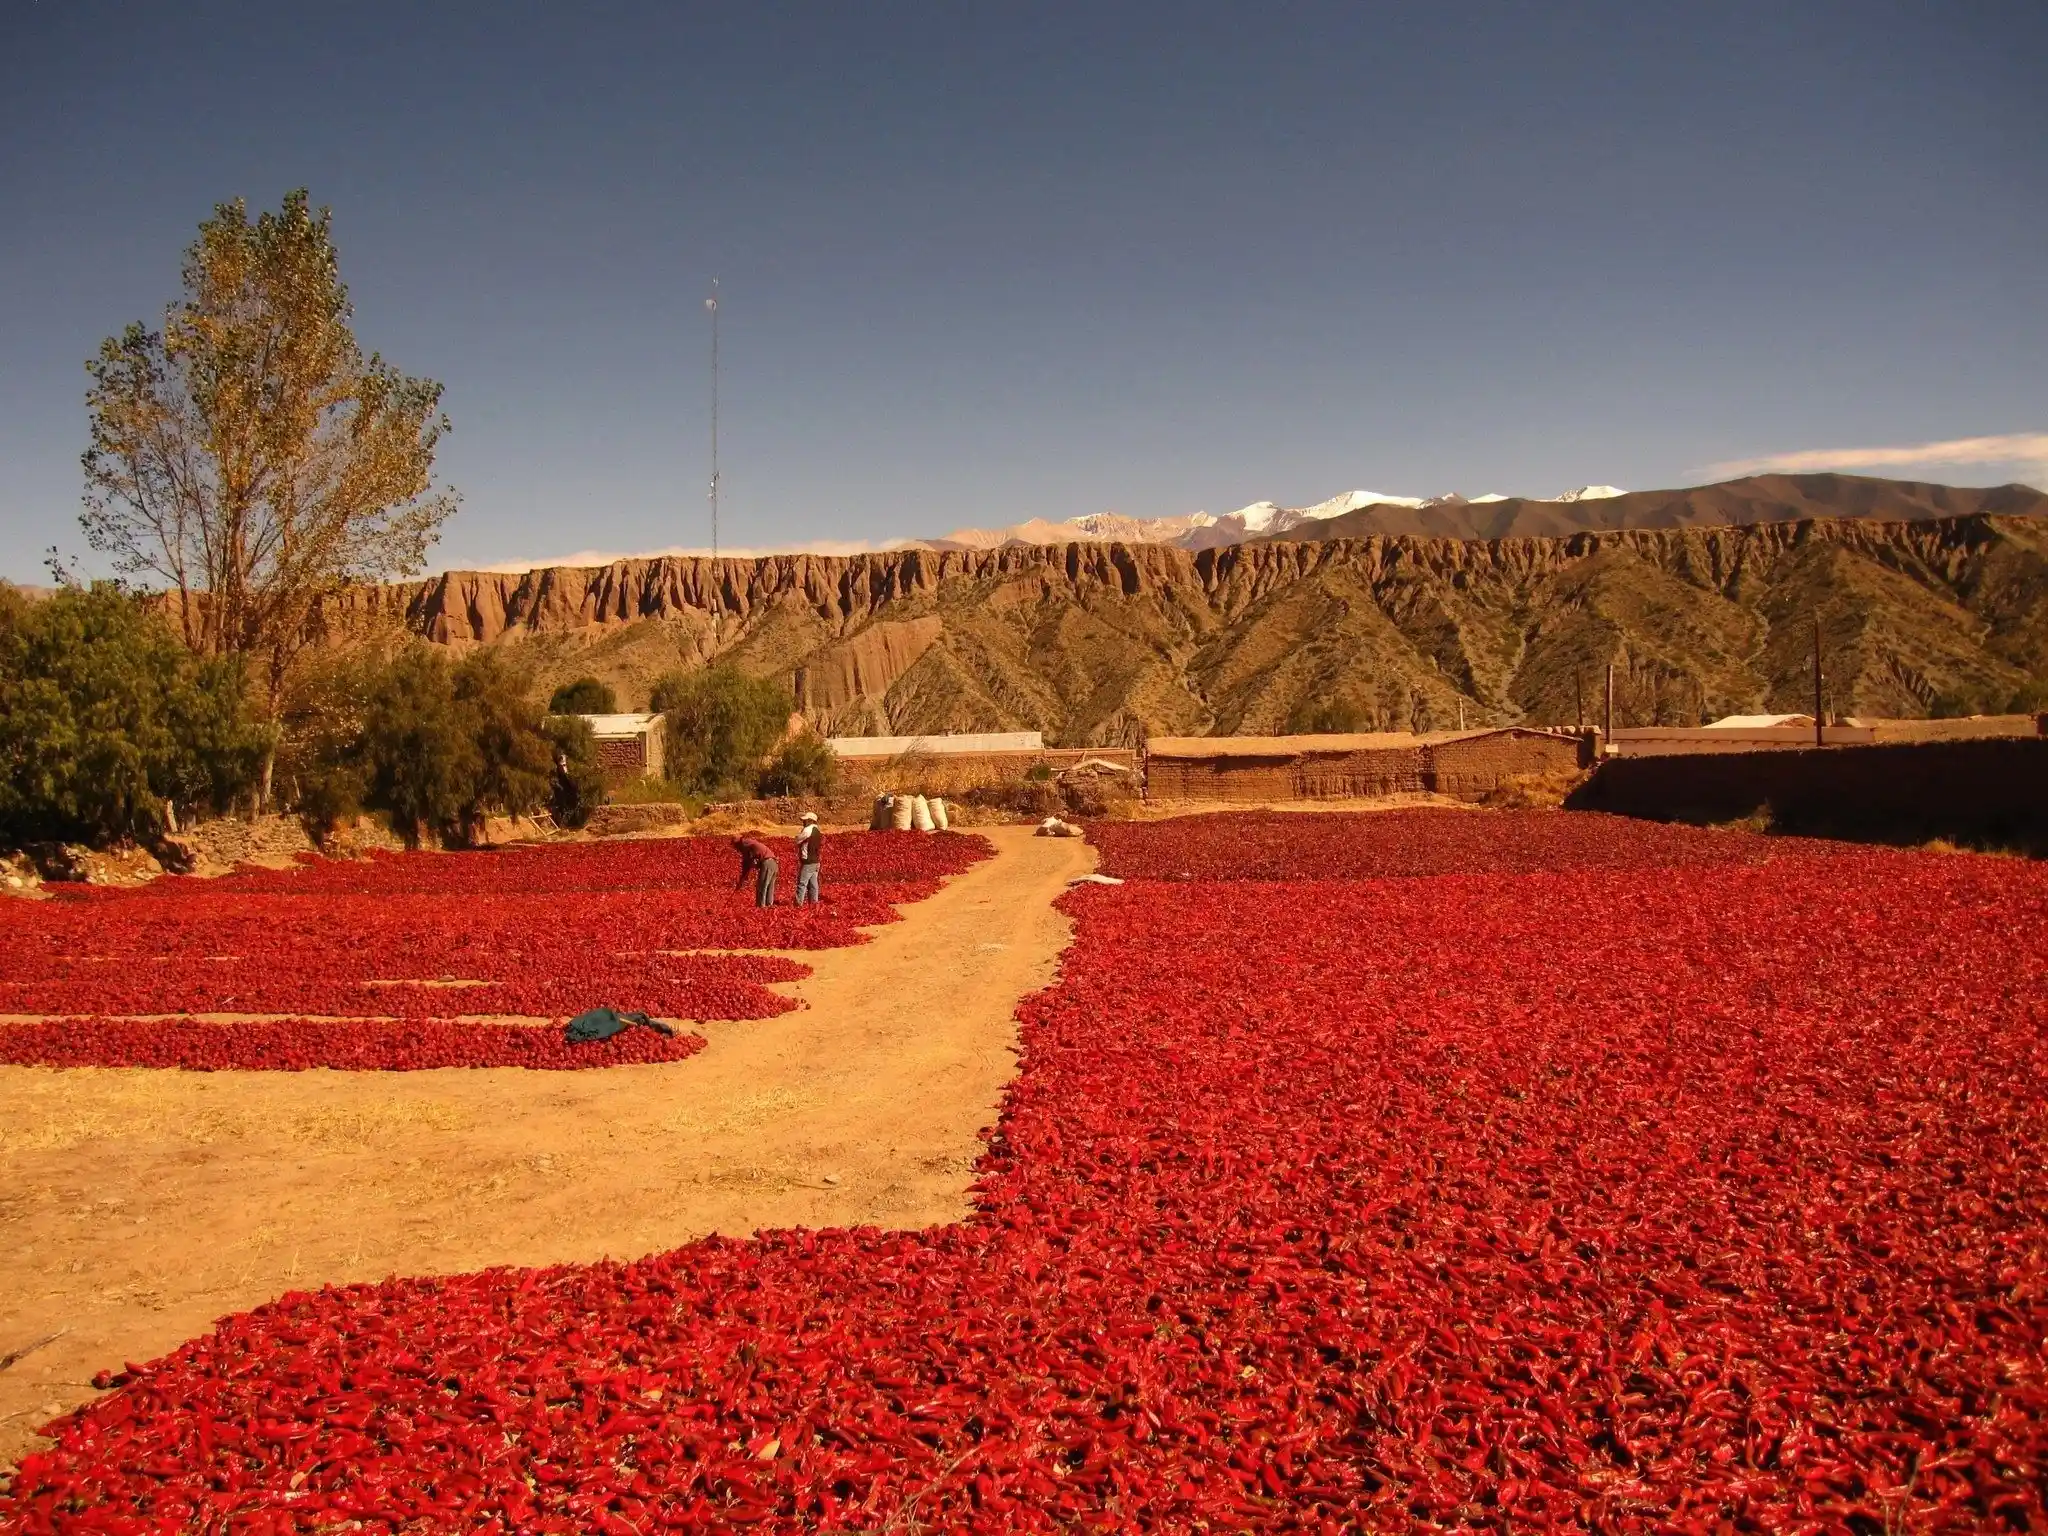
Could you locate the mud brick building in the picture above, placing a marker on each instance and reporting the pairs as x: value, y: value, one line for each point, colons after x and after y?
x: 628, y: 746
x: 1466, y: 764
x: 954, y: 763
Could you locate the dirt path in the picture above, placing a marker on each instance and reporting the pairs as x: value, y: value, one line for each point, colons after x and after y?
x: 137, y: 1207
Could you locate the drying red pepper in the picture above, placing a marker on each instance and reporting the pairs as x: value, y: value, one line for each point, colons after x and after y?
x: 1568, y: 1174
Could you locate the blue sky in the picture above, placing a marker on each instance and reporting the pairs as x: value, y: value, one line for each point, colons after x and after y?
x: 986, y: 263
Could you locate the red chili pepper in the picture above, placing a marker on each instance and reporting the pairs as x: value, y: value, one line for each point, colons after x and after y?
x: 1529, y: 1171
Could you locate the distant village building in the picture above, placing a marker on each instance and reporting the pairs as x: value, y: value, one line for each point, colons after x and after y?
x: 1371, y: 765
x: 1758, y: 723
x: 954, y: 764
x: 944, y: 745
x: 628, y: 746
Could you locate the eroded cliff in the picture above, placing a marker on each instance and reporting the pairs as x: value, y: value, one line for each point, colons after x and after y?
x: 1089, y: 641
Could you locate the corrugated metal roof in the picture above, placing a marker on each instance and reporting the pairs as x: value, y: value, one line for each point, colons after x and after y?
x: 937, y: 746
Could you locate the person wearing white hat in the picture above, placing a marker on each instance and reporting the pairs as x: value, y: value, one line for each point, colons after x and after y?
x: 810, y: 850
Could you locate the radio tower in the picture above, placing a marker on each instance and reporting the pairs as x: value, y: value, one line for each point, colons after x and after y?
x: 712, y: 305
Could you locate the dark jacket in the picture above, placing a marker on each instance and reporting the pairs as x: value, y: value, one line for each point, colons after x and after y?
x: 810, y: 846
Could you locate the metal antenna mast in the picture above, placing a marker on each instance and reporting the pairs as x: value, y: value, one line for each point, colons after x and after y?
x: 712, y: 305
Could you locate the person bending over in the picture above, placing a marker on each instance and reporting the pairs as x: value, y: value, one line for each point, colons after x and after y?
x: 758, y: 861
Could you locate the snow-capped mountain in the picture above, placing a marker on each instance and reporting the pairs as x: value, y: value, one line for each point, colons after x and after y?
x: 1203, y: 530
x: 1270, y: 517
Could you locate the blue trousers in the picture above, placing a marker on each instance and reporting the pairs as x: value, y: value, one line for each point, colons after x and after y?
x: 806, y: 883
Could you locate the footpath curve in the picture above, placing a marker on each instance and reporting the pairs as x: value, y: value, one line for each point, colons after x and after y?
x: 136, y: 1207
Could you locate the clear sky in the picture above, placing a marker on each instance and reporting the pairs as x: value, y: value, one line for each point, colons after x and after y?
x: 983, y: 263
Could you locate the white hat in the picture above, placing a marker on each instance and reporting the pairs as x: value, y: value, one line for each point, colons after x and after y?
x: 810, y: 816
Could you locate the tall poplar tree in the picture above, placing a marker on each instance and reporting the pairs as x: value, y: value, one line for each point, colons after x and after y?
x: 248, y: 457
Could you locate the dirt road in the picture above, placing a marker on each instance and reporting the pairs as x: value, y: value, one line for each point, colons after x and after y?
x: 137, y: 1207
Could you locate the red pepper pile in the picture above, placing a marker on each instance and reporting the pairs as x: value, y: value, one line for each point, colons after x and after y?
x: 1284, y: 845
x: 850, y: 858
x: 544, y: 931
x: 545, y: 973
x: 1695, y: 1195
x: 354, y: 1045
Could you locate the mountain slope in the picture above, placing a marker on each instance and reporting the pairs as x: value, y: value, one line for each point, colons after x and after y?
x: 1094, y: 642
x: 1588, y: 509
x: 1756, y: 499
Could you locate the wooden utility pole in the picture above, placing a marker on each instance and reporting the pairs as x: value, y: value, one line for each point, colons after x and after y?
x: 1579, y: 694
x: 1819, y: 718
x: 1608, y: 734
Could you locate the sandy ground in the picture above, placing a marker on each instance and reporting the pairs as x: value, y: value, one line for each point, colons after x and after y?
x: 137, y: 1207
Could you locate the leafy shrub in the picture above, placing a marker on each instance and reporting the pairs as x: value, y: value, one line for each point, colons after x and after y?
x: 649, y: 791
x: 802, y: 765
x: 321, y: 771
x: 2030, y: 698
x: 720, y: 724
x: 585, y: 696
x: 579, y: 786
x: 440, y: 747
x: 107, y: 722
x: 515, y: 757
x: 418, y: 755
x: 1325, y: 717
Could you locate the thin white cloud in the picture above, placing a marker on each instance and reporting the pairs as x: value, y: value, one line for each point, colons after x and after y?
x: 2027, y: 449
x: 591, y: 557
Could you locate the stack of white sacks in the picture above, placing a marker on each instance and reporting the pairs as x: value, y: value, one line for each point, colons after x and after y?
x: 902, y: 813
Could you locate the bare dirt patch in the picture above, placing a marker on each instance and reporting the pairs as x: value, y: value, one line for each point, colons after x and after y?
x: 136, y: 1207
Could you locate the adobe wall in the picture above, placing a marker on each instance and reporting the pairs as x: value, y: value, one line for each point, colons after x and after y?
x: 1989, y: 791
x: 955, y: 772
x: 622, y: 758
x: 1471, y: 768
x: 1468, y: 769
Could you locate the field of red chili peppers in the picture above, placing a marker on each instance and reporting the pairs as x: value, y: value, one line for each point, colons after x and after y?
x: 1662, y: 1181
x: 295, y: 1045
x: 539, y: 932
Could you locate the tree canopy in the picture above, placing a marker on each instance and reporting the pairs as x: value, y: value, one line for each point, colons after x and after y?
x: 248, y: 456
x: 107, y: 721
x: 720, y: 724
x: 585, y: 696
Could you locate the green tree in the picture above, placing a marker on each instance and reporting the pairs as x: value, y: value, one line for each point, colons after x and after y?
x: 1322, y: 717
x: 320, y: 761
x: 107, y: 722
x: 802, y: 765
x: 579, y: 783
x: 418, y: 754
x: 515, y: 760
x: 248, y: 456
x: 440, y: 747
x: 585, y: 696
x: 720, y: 725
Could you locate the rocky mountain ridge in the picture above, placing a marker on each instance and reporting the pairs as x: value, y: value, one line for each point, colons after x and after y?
x: 1096, y: 642
x: 1589, y: 508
